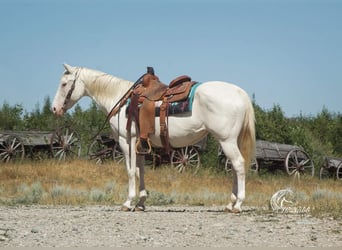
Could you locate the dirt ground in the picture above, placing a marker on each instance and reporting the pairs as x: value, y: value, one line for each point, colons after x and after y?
x: 95, y: 226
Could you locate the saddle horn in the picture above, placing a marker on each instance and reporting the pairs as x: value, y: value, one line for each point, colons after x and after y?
x: 150, y: 70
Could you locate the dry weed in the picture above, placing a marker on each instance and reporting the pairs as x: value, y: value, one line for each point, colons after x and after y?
x: 83, y: 182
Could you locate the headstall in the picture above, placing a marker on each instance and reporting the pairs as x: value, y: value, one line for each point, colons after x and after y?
x: 71, y: 90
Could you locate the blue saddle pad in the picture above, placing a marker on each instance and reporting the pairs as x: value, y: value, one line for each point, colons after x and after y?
x: 182, y: 106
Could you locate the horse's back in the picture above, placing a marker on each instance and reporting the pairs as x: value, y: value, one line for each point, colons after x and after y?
x: 223, y: 94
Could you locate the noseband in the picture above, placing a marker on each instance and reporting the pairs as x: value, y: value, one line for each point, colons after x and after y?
x: 71, y: 90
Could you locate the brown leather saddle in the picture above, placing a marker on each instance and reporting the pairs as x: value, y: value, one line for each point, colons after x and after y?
x: 154, y: 90
x: 178, y: 89
x: 151, y: 88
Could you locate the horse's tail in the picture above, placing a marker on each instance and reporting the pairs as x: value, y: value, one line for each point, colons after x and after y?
x: 246, y: 139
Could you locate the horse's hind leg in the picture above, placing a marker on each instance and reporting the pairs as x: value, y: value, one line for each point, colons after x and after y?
x: 232, y: 152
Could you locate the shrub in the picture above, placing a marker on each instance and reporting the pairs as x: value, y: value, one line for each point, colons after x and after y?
x: 30, y: 194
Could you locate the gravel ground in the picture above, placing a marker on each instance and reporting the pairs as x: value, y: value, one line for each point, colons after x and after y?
x: 97, y: 226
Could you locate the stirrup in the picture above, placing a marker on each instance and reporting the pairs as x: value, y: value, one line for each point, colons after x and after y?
x: 138, y: 147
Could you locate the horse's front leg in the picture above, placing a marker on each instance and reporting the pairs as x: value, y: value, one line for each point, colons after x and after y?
x: 142, y: 191
x: 130, y: 159
x: 131, y: 169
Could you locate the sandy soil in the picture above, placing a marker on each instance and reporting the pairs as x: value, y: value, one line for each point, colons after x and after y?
x: 107, y: 226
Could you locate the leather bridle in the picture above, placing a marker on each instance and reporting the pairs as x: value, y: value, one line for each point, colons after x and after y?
x: 71, y: 90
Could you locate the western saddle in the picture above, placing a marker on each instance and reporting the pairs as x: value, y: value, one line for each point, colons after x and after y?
x: 142, y: 107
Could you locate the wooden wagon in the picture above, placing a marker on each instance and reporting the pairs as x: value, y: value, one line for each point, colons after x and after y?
x: 332, y: 168
x: 104, y: 147
x: 272, y: 156
x: 60, y: 144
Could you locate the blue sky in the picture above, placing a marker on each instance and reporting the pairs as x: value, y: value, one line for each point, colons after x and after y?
x: 286, y: 52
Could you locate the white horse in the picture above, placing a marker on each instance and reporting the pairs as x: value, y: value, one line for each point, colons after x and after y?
x: 221, y: 108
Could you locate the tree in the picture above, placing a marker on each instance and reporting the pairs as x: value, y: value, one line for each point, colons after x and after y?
x: 11, y: 117
x: 272, y: 125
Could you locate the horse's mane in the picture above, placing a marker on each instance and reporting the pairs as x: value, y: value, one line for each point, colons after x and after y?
x: 103, y: 85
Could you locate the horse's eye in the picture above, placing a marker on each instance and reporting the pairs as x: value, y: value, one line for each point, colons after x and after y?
x: 64, y: 84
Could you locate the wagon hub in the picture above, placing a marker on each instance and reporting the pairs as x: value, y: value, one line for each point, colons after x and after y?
x: 300, y: 167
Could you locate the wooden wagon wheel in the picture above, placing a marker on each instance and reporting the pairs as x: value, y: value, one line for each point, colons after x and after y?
x: 154, y: 159
x: 12, y: 149
x: 118, y: 156
x: 325, y: 173
x: 224, y: 162
x: 65, y: 143
x: 339, y: 171
x: 99, y: 152
x: 185, y: 159
x: 254, y: 165
x: 39, y: 152
x: 228, y: 166
x: 297, y: 162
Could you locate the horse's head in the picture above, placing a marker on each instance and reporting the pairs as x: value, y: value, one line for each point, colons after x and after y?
x: 69, y: 91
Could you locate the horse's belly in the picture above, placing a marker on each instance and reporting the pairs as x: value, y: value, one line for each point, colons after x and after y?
x: 183, y: 131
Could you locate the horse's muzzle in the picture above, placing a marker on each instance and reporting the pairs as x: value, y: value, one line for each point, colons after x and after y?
x: 58, y: 112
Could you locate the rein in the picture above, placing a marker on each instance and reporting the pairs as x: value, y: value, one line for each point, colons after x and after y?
x: 118, y: 105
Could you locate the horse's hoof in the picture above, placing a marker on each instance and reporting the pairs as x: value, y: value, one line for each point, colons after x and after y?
x: 232, y: 210
x: 236, y: 211
x: 125, y: 209
x: 139, y: 208
x: 227, y: 210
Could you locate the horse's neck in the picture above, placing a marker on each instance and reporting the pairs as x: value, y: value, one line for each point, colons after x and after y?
x: 106, y: 90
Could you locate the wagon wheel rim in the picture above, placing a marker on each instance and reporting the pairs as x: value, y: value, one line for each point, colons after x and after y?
x: 12, y: 149
x: 185, y: 159
x: 339, y: 171
x: 118, y: 155
x: 254, y: 166
x: 298, y: 162
x: 223, y: 161
x: 324, y: 173
x: 65, y: 143
x: 99, y: 152
x: 228, y: 166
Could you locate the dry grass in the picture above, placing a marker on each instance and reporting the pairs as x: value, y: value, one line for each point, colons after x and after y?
x: 82, y: 182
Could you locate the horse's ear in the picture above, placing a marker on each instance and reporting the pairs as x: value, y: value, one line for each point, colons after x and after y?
x: 69, y: 69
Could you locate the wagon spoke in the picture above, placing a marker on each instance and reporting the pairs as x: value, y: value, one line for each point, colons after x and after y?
x: 65, y: 143
x: 298, y: 162
x: 70, y: 138
x: 7, y: 158
x: 186, y: 158
x: 118, y: 156
x: 12, y: 149
x: 3, y: 156
x: 60, y: 154
x: 15, y: 144
x: 305, y: 162
x: 295, y: 158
